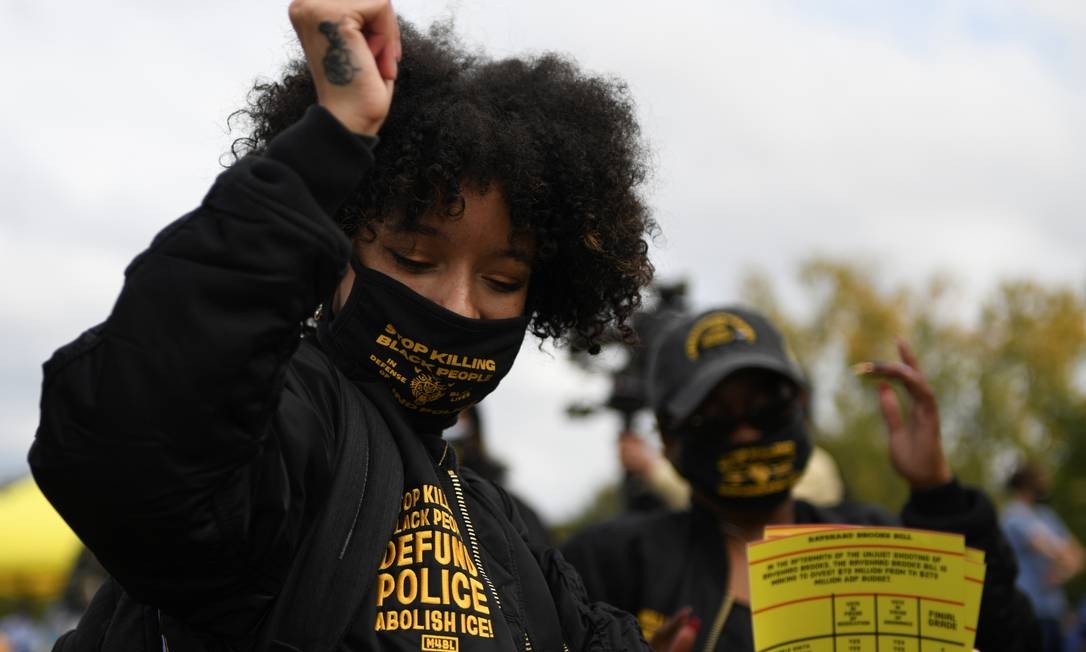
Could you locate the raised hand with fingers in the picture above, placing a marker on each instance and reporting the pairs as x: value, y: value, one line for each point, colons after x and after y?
x: 915, y: 443
x: 353, y: 50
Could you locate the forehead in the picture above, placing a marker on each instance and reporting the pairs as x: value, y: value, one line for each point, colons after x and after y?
x: 484, y: 224
x: 747, y: 384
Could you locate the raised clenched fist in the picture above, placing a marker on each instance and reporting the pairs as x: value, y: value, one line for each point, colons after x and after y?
x: 353, y: 49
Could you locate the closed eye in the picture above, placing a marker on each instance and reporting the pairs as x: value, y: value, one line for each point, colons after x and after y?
x: 505, y: 286
x: 409, y: 264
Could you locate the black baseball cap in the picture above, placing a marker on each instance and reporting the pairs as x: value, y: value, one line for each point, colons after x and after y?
x: 696, y: 352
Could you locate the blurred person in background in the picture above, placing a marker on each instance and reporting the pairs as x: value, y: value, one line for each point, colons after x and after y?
x: 1048, y: 554
x: 731, y: 406
x: 20, y: 632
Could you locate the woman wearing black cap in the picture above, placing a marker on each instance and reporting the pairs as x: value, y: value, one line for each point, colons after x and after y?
x: 251, y: 482
x: 731, y: 405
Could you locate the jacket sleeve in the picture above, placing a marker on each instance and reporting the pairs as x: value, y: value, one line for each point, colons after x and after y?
x: 1006, y: 618
x: 587, y: 625
x: 157, y: 441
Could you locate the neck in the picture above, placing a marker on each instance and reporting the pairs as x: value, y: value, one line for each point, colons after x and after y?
x: 750, y: 524
x: 742, y: 526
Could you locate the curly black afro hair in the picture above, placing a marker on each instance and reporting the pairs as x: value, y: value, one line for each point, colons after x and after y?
x: 563, y: 146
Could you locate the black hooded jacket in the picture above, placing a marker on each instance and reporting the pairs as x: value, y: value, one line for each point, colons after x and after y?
x: 652, y: 565
x: 190, y: 440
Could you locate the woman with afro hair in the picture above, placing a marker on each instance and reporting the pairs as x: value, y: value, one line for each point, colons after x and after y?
x: 251, y: 442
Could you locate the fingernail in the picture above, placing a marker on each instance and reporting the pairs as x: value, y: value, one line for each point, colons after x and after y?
x: 863, y: 368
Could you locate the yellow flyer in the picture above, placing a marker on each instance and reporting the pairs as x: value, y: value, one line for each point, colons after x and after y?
x: 974, y: 587
x: 781, y: 531
x: 974, y: 569
x: 859, y: 589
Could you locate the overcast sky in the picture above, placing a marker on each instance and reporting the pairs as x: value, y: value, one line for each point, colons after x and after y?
x: 924, y: 135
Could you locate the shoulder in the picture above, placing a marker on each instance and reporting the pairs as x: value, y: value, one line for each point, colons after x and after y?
x: 619, y: 559
x: 633, y: 524
x: 314, y: 383
x: 1049, y: 517
x: 311, y: 368
x: 1016, y: 513
x: 311, y: 388
x: 315, y: 406
x: 849, y: 512
x: 620, y: 533
x: 1046, y: 512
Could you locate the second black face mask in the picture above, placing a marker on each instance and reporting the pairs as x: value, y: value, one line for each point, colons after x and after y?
x: 435, y: 362
x: 748, y: 475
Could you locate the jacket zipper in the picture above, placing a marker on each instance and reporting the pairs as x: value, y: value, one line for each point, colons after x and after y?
x: 718, y: 622
x: 726, y: 604
x: 722, y: 612
x: 478, y: 558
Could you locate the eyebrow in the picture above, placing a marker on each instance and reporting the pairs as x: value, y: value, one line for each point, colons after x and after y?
x: 516, y: 253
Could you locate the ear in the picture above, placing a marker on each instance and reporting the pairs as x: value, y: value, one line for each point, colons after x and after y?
x: 806, y: 405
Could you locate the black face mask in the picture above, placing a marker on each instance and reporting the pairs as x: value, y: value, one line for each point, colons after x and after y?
x: 434, y: 361
x: 750, y: 476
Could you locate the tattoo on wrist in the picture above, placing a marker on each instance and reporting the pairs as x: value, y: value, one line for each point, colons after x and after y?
x: 337, y: 60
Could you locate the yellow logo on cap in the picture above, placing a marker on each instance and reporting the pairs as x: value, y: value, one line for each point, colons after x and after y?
x: 717, y: 329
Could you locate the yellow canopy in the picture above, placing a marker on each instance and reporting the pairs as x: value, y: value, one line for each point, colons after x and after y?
x: 37, y: 548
